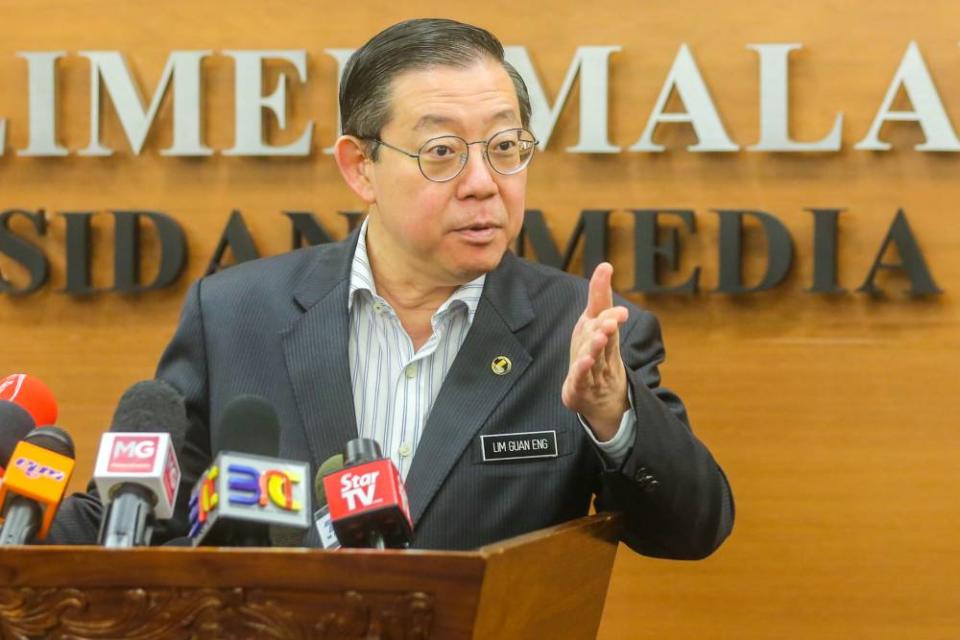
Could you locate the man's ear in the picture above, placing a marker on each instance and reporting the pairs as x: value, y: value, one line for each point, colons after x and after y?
x: 355, y: 167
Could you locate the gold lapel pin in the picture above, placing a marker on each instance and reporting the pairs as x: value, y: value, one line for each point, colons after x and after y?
x: 501, y: 365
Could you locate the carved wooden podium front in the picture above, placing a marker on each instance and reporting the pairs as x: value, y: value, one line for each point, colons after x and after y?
x: 546, y: 584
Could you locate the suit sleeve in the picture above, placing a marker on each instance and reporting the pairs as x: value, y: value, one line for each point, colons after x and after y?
x: 183, y: 366
x: 675, y: 499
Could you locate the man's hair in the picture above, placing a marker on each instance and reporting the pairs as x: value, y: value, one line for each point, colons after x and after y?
x: 408, y: 46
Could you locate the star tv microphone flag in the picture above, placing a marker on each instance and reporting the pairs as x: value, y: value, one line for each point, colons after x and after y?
x: 367, y: 500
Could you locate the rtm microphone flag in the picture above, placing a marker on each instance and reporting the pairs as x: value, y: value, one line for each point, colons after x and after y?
x: 242, y: 490
x: 145, y: 459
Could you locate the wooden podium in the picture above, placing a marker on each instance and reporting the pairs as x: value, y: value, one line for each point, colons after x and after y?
x: 547, y: 584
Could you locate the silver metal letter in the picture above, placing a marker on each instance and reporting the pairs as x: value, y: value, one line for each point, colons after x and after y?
x: 685, y: 77
x: 42, y: 74
x: 775, y: 100
x: 592, y: 64
x: 928, y: 110
x: 250, y: 102
x: 341, y: 56
x: 183, y: 66
x: 3, y: 134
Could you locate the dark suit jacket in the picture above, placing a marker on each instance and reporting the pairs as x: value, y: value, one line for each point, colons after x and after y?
x: 279, y: 328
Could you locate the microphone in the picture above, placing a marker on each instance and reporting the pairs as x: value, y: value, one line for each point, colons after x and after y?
x: 181, y: 541
x: 248, y: 491
x: 31, y: 394
x: 368, y: 504
x: 34, y: 484
x: 323, y: 535
x: 137, y: 473
x: 15, y: 424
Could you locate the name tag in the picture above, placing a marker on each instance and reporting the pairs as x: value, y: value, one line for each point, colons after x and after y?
x: 519, y: 446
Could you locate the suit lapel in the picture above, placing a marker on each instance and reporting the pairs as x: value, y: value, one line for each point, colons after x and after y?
x: 315, y: 350
x: 471, y: 389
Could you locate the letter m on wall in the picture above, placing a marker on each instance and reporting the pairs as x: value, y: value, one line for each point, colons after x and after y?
x: 111, y: 68
x: 591, y: 225
x: 592, y: 65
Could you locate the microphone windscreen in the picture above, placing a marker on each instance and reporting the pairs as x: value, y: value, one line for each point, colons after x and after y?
x: 15, y: 423
x: 360, y: 450
x: 31, y: 394
x: 152, y: 406
x: 52, y: 438
x: 249, y: 424
x: 333, y: 463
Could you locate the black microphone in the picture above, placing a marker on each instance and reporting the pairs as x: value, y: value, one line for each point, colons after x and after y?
x: 182, y: 541
x: 34, y: 483
x: 15, y: 423
x: 322, y: 535
x: 247, y: 491
x: 367, y: 500
x: 137, y: 473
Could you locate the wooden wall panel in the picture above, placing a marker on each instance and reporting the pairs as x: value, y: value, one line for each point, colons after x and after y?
x: 834, y: 417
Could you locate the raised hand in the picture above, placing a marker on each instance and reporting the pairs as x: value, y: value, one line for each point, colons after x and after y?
x: 596, y: 383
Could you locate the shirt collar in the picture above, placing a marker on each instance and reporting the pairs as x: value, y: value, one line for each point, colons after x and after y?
x: 361, y: 279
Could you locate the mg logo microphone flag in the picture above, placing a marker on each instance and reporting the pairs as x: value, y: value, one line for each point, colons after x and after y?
x: 146, y: 459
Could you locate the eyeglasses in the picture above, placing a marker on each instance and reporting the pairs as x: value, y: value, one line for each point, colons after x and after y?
x: 443, y: 158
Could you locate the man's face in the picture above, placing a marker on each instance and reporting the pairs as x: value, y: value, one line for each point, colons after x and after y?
x: 445, y: 233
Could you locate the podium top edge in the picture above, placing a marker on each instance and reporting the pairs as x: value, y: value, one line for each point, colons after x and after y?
x: 602, y: 526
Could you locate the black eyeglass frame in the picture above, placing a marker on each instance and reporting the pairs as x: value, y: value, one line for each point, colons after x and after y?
x: 465, y: 157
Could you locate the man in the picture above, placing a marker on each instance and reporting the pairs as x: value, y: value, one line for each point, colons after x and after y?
x: 507, y: 393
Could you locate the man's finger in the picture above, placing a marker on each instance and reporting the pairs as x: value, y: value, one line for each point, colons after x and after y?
x: 578, y: 382
x: 598, y: 346
x: 618, y: 314
x: 600, y: 293
x: 581, y: 373
x: 608, y: 325
x: 611, y: 353
x: 589, y: 353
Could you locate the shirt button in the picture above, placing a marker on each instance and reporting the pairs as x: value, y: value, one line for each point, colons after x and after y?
x: 404, y: 450
x: 411, y: 370
x: 378, y: 307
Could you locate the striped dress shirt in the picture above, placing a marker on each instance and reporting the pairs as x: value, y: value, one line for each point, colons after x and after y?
x: 394, y: 387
